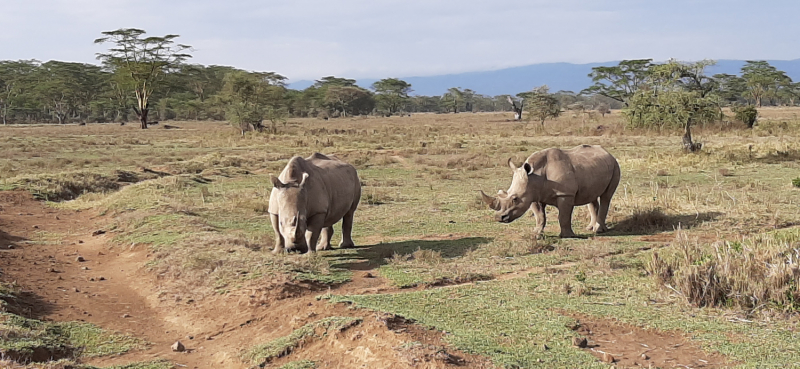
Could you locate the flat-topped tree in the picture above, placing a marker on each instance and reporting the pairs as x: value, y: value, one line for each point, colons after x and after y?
x: 619, y: 82
x: 392, y: 94
x: 142, y: 62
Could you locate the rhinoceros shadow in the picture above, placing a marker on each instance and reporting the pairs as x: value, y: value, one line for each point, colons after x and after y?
x: 372, y: 256
x: 655, y: 221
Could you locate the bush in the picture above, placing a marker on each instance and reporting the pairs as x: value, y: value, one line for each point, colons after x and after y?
x: 671, y: 109
x: 746, y: 114
x: 796, y: 182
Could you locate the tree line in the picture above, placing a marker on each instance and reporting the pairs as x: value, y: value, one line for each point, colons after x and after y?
x: 147, y: 78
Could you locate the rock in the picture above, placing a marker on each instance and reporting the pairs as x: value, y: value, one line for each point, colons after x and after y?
x: 368, y: 275
x: 190, y: 337
x: 51, y: 270
x: 80, y: 241
x: 101, y: 278
x: 580, y: 342
x: 80, y: 259
x: 76, y: 289
x: 645, y: 357
x: 98, y: 232
x: 178, y: 347
x: 608, y: 357
x: 85, y: 268
x: 10, y: 247
x: 36, y: 227
x: 545, y: 347
x: 126, y: 316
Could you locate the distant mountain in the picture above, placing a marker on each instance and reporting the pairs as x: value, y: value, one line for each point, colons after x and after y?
x: 558, y: 76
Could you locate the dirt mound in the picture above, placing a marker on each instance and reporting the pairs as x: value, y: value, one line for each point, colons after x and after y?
x: 631, y: 346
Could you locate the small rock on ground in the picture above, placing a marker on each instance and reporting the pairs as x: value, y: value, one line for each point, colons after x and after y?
x: 178, y: 347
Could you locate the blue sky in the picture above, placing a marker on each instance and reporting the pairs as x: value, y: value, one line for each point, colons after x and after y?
x: 307, y: 39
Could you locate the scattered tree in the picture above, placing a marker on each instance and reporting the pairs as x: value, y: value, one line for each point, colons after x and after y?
x: 143, y: 61
x: 619, y: 82
x: 541, y: 104
x: 250, y: 98
x: 392, y: 94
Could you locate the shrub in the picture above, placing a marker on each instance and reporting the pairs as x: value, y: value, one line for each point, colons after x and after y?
x: 796, y: 182
x: 746, y: 114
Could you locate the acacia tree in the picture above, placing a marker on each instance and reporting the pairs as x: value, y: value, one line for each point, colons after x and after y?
x: 14, y: 82
x: 392, y: 94
x: 452, y: 99
x: 541, y: 104
x: 251, y: 98
x: 762, y: 80
x: 143, y: 61
x: 619, y: 82
x: 349, y: 99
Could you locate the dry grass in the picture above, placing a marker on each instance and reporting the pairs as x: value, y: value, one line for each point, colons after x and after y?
x: 752, y: 274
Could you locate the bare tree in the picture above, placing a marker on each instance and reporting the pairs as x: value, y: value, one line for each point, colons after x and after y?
x: 517, y: 109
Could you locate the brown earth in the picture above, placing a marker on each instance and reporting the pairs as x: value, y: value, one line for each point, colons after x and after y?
x: 110, y: 289
x: 631, y: 347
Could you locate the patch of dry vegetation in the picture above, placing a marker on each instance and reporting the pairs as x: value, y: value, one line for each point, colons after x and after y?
x: 762, y: 272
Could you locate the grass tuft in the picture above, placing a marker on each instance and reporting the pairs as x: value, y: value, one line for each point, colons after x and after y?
x: 262, y: 354
x: 752, y: 274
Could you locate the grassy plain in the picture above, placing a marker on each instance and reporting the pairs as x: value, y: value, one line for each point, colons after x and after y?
x: 197, y: 198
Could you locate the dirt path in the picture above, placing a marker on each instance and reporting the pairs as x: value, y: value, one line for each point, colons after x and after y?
x: 107, y: 287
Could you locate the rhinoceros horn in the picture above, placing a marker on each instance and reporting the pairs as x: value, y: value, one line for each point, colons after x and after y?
x: 491, y: 201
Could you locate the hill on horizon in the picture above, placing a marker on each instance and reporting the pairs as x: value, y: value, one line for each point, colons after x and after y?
x: 558, y: 76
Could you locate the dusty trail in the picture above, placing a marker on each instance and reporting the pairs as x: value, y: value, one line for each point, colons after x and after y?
x: 109, y: 289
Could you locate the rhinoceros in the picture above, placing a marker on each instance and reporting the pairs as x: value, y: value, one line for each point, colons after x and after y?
x: 562, y: 178
x: 308, y: 198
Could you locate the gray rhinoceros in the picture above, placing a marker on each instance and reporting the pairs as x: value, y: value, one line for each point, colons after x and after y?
x: 564, y: 179
x: 308, y: 198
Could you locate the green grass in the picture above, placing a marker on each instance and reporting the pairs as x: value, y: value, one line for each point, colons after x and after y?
x: 264, y: 353
x: 421, y: 222
x: 504, y: 319
x: 302, y: 364
x: 23, y: 336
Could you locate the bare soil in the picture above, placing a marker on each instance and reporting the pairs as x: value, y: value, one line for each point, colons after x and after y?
x: 108, y: 287
x: 632, y: 346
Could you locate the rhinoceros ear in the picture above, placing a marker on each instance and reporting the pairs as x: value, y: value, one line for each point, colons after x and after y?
x: 528, y: 168
x: 491, y: 201
x: 303, y: 181
x: 511, y: 164
x: 276, y: 182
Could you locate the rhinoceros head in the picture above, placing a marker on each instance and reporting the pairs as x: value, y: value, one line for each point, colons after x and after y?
x: 512, y: 204
x: 292, y: 212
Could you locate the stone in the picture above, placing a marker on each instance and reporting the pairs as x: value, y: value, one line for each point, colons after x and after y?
x: 178, y: 347
x: 645, y: 357
x: 608, y: 357
x: 80, y: 259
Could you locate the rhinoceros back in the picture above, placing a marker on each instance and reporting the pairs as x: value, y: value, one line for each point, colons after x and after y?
x: 332, y: 187
x: 585, y: 171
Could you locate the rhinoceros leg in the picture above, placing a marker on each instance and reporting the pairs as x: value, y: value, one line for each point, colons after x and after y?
x: 347, y: 230
x: 539, y: 213
x: 279, y: 245
x: 313, y: 229
x: 325, y: 238
x: 565, y: 206
x: 602, y: 212
x: 594, y: 207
